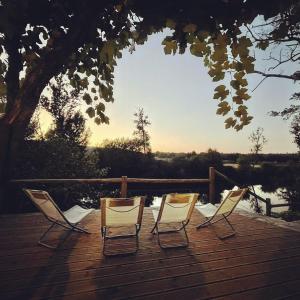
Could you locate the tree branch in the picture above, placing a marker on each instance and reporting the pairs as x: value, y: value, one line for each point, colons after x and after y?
x: 276, y: 75
x: 13, y: 71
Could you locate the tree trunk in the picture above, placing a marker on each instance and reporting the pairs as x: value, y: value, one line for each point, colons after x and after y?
x: 5, y: 136
x: 12, y: 133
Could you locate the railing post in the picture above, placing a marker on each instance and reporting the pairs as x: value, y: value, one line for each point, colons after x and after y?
x: 212, y: 181
x: 123, y: 187
x: 268, y: 207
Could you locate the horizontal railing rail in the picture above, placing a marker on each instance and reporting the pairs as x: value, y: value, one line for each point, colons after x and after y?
x: 267, y: 201
x: 237, y: 184
x: 280, y: 205
x: 124, y: 181
x: 110, y: 180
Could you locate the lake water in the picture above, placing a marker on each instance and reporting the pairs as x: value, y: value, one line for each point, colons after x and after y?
x: 247, y: 204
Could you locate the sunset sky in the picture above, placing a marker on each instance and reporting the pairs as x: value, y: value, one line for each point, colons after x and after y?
x: 177, y: 94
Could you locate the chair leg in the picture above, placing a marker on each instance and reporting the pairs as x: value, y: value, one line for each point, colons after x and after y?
x: 153, y: 229
x: 105, y: 238
x: 40, y: 241
x: 176, y: 230
x: 70, y: 228
x: 230, y: 234
x: 205, y: 223
x: 79, y: 229
x: 208, y: 222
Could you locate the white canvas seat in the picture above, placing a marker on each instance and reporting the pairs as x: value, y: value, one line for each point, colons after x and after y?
x: 174, y: 208
x: 68, y: 219
x: 121, y: 212
x: 76, y: 213
x: 227, y: 206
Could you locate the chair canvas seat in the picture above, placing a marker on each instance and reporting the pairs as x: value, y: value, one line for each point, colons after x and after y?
x: 170, y: 218
x: 76, y: 213
x: 121, y: 212
x: 207, y: 210
x: 174, y: 208
x: 223, y: 211
x: 68, y: 219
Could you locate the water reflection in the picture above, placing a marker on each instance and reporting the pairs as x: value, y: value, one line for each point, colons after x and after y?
x: 246, y: 204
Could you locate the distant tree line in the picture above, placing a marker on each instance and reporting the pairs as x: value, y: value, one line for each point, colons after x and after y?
x: 62, y: 152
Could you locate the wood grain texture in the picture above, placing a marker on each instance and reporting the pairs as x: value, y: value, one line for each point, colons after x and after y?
x: 261, y: 262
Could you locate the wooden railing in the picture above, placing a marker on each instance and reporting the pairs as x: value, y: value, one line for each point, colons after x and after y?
x: 267, y: 201
x: 124, y: 181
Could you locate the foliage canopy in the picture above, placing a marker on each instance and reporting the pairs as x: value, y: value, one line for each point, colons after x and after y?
x: 83, y: 40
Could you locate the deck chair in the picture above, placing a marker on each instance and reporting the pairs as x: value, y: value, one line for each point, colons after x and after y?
x: 174, y: 208
x: 68, y: 219
x: 215, y: 214
x: 121, y: 212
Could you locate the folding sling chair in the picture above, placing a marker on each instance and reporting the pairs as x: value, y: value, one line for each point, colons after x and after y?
x: 68, y: 219
x: 121, y: 212
x: 227, y: 206
x: 174, y: 208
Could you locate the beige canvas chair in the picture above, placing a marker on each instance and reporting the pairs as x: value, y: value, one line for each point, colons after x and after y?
x: 68, y: 219
x: 174, y: 208
x: 121, y: 212
x: 215, y: 214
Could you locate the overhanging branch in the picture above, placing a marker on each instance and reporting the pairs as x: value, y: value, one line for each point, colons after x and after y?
x: 292, y: 77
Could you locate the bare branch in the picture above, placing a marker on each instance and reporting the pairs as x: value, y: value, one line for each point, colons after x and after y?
x: 276, y: 75
x: 259, y: 83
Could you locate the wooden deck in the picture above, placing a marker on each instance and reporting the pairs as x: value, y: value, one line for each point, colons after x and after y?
x: 261, y: 262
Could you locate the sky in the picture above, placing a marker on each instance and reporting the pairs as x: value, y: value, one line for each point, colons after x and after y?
x: 176, y: 93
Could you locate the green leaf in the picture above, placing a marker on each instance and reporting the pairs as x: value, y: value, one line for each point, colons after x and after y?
x: 118, y: 7
x: 189, y: 28
x: 247, y: 120
x: 224, y: 108
x: 202, y: 35
x: 91, y: 112
x: 238, y: 127
x: 242, y: 93
x: 87, y: 98
x: 221, y: 40
x: 2, y: 108
x: 170, y: 23
x: 248, y: 63
x: 239, y: 78
x: 2, y: 89
x: 81, y: 69
x: 263, y: 45
x: 105, y: 92
x: 84, y: 83
x: 237, y: 99
x: 230, y: 122
x: 107, y: 52
x: 97, y: 120
x: 235, y: 84
x: 220, y: 54
x: 100, y: 108
x: 221, y: 92
x: 170, y: 46
x: 198, y: 48
x: 206, y: 61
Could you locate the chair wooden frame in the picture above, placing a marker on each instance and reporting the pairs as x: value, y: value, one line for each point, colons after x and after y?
x: 224, y: 216
x: 183, y: 223
x: 35, y: 195
x: 120, y: 202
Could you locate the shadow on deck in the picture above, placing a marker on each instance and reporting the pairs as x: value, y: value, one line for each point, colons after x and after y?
x: 261, y: 262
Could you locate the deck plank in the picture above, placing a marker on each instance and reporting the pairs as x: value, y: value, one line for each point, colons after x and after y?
x: 260, y: 262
